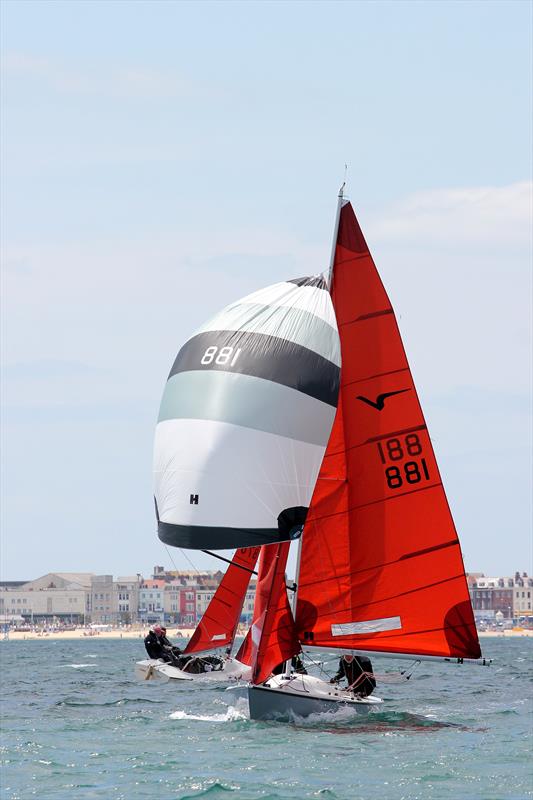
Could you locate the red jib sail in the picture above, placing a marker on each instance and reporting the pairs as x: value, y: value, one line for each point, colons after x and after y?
x: 272, y: 638
x: 218, y: 625
x: 381, y: 565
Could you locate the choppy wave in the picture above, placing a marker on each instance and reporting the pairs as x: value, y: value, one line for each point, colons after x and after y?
x: 119, y: 702
x: 213, y: 791
x: 221, y: 791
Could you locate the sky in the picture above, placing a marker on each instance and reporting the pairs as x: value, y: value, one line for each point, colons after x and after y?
x: 162, y: 159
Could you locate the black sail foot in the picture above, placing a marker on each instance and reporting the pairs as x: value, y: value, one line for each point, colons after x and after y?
x: 199, y: 537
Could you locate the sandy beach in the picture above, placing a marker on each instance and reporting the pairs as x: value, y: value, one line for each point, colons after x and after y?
x: 84, y: 633
x: 179, y: 633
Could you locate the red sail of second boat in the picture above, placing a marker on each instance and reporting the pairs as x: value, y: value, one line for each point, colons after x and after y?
x: 272, y: 636
x: 218, y: 625
x: 381, y: 565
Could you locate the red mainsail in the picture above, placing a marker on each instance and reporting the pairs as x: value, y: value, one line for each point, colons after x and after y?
x: 381, y: 565
x: 272, y: 638
x: 219, y: 623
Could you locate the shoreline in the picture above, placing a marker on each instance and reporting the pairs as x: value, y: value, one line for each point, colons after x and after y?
x: 181, y: 633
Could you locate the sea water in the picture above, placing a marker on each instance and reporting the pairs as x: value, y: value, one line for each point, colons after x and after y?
x: 76, y: 724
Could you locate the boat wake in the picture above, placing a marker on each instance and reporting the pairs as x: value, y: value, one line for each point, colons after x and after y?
x: 346, y: 720
x: 232, y: 714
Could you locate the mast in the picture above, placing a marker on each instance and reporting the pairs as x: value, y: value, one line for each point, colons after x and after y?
x: 340, y: 198
x: 294, y: 599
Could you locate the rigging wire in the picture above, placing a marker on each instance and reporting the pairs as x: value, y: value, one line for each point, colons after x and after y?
x: 394, y: 676
x: 183, y: 553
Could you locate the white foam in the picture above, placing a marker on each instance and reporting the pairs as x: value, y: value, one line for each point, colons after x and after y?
x: 77, y: 666
x: 344, y: 712
x: 231, y: 715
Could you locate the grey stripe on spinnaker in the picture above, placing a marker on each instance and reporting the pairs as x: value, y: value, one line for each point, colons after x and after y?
x: 286, y: 322
x: 247, y: 401
x: 268, y: 357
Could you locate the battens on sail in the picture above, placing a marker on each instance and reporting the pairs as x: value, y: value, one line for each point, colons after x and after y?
x: 381, y: 566
x: 218, y: 625
x: 245, y: 418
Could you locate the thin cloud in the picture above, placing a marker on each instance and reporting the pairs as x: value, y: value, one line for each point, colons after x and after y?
x: 135, y: 82
x: 482, y: 216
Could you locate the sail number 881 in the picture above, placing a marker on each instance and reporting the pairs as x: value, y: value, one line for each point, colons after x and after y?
x: 223, y: 356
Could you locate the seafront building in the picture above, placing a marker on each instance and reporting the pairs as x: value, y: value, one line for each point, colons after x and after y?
x: 180, y: 603
x: 61, y: 595
x: 181, y: 598
x: 522, y: 591
x: 494, y: 595
x: 503, y: 597
x: 113, y: 601
x: 151, y: 601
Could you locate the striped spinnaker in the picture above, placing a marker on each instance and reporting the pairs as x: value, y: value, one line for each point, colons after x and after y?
x: 245, y: 418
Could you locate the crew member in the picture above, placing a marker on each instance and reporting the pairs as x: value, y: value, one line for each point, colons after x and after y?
x: 153, y: 645
x: 358, y: 674
x: 171, y: 652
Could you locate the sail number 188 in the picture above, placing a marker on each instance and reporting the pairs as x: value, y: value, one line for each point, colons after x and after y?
x: 409, y: 472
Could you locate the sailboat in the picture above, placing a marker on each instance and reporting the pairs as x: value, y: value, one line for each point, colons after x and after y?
x: 217, y: 629
x: 293, y: 415
x: 218, y: 626
x: 380, y: 568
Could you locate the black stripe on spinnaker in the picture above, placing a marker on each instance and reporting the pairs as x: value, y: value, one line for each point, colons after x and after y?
x: 269, y: 357
x: 198, y: 537
x: 203, y: 537
x: 314, y: 280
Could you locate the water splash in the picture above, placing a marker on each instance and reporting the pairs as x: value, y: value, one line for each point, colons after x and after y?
x: 232, y: 714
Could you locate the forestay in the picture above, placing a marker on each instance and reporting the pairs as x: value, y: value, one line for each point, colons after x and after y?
x: 245, y: 418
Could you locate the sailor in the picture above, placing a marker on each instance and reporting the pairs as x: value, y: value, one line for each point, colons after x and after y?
x: 152, y: 642
x: 358, y: 674
x: 171, y: 652
x: 175, y: 656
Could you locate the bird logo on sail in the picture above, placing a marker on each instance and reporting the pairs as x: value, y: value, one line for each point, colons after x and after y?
x: 379, y: 403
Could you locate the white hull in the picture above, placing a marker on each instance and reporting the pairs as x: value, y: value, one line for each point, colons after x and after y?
x: 153, y: 669
x: 301, y: 696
